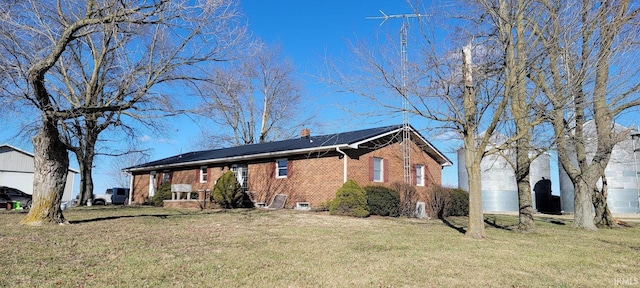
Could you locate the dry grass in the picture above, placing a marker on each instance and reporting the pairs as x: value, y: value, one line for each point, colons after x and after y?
x: 151, y: 247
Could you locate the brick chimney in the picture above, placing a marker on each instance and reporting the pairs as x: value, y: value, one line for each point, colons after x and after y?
x: 305, y: 133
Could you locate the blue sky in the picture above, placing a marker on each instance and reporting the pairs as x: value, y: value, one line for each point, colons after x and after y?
x: 308, y: 32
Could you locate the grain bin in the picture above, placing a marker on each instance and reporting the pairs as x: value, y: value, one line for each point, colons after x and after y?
x: 499, y: 187
x: 621, y: 172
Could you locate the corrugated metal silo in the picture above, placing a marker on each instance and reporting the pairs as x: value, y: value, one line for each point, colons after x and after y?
x: 622, y: 180
x: 499, y: 187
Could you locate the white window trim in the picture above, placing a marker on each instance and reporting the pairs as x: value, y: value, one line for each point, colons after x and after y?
x: 420, y: 180
x: 381, y: 170
x: 202, y: 174
x: 278, y: 167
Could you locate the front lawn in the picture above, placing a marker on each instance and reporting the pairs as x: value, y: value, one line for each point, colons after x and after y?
x: 150, y: 247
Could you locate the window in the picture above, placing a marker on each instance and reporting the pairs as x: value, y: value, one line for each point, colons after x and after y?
x: 166, y: 177
x: 241, y: 174
x: 120, y: 191
x: 378, y: 174
x: 281, y: 168
x: 419, y: 175
x: 203, y: 174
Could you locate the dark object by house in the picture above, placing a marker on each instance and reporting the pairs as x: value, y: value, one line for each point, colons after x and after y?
x: 119, y: 196
x: 545, y: 202
x: 9, y: 194
x: 5, y: 202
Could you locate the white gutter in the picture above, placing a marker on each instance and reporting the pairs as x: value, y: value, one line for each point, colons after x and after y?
x: 344, y: 157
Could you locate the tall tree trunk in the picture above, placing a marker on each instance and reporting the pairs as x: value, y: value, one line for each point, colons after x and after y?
x: 86, y: 180
x: 51, y: 161
x: 520, y: 108
x: 476, y: 216
x: 583, y: 205
x: 473, y: 151
x: 85, y: 155
x: 603, y: 215
x: 265, y: 117
x: 525, y: 205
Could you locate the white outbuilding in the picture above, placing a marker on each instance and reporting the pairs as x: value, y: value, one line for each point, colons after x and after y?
x: 17, y: 168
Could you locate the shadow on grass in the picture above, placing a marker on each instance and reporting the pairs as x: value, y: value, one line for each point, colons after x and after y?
x: 556, y: 222
x: 559, y: 222
x: 162, y: 216
x: 496, y: 225
x: 451, y: 225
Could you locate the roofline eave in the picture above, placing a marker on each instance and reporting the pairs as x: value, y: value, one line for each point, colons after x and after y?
x: 238, y: 158
x: 444, y: 161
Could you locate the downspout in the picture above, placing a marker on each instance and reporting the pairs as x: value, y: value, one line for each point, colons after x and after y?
x: 344, y: 158
x: 130, y: 188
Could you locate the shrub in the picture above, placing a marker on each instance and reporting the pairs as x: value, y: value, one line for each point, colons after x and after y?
x: 227, y: 192
x: 458, y: 203
x: 408, y: 198
x: 438, y: 201
x: 444, y: 202
x: 350, y: 201
x: 383, y: 201
x: 163, y: 193
x: 323, y: 206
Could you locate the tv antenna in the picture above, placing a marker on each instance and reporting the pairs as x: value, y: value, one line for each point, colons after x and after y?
x: 406, y: 128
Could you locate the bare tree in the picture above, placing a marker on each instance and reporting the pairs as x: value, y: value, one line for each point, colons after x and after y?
x: 119, y: 163
x: 114, y: 59
x: 514, y: 36
x: 590, y: 56
x: 465, y: 93
x: 257, y: 98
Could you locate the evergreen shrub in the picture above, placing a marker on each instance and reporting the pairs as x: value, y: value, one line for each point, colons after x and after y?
x: 228, y: 192
x: 458, y: 203
x: 350, y: 200
x: 383, y: 201
x: 163, y: 193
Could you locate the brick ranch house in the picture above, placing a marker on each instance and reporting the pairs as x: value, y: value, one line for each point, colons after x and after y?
x: 309, y: 169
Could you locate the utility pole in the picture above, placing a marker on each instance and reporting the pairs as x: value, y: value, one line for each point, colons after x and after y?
x: 406, y: 129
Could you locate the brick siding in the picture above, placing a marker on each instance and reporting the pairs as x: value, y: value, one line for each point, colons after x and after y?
x: 312, y: 178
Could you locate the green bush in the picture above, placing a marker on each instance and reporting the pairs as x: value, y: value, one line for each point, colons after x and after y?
x: 383, y: 201
x: 227, y: 192
x: 163, y: 193
x: 323, y: 206
x: 458, y: 203
x: 444, y: 202
x: 350, y: 200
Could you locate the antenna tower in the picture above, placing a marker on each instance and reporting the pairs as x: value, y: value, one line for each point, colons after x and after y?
x: 406, y: 130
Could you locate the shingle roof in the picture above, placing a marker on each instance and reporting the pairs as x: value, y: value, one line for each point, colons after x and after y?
x: 272, y: 149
